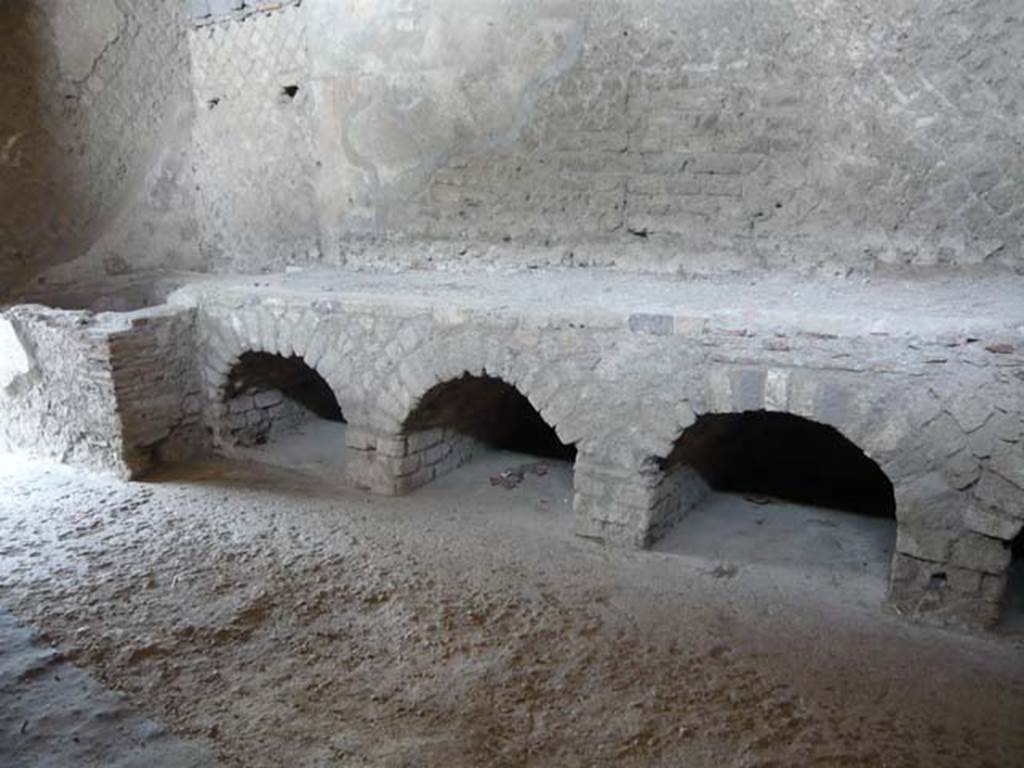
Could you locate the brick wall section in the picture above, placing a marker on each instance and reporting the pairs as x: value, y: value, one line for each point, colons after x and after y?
x: 395, y: 464
x: 941, y: 416
x: 252, y: 417
x: 115, y: 392
x: 635, y: 508
x: 156, y: 384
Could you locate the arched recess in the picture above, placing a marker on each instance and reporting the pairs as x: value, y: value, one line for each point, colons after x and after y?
x: 284, y: 410
x: 475, y: 415
x: 777, y: 488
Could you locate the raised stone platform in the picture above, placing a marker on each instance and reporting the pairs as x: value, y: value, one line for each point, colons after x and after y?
x: 926, y: 377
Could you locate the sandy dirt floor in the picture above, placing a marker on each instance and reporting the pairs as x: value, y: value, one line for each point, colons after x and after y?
x: 53, y: 715
x: 271, y: 617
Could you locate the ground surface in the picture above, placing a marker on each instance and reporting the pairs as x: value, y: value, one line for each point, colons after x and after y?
x: 275, y: 618
x: 53, y: 715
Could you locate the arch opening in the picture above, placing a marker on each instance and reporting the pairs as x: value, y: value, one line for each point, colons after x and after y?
x: 491, y: 412
x: 779, y: 489
x: 281, y: 410
x: 485, y: 420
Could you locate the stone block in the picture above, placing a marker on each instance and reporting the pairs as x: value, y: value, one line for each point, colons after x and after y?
x: 285, y: 333
x: 981, y: 553
x: 251, y: 319
x: 993, y: 490
x: 940, y: 593
x: 257, y: 418
x: 748, y: 390
x: 722, y: 186
x: 267, y: 398
x: 1008, y: 463
x: 720, y: 391
x: 993, y: 587
x: 364, y: 469
x: 929, y: 503
x: 970, y: 411
x: 630, y: 494
x: 588, y: 484
x: 199, y: 9
x: 317, y: 347
x: 588, y: 527
x: 654, y: 325
x: 723, y: 164
x: 636, y: 521
x: 776, y: 390
x: 303, y: 334
x: 931, y: 545
x: 436, y: 453
x: 991, y: 522
x: 1009, y: 427
x: 392, y: 445
x: 423, y: 439
x: 407, y: 465
x: 889, y: 436
x: 962, y: 470
x: 240, y: 404
x: 943, y: 437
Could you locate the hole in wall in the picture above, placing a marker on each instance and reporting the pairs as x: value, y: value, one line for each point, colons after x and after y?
x: 281, y: 411
x: 212, y: 103
x: 937, y: 581
x: 290, y: 91
x: 780, y: 489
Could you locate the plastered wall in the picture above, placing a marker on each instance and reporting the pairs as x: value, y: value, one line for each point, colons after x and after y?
x: 94, y: 131
x: 692, y: 136
x: 689, y: 136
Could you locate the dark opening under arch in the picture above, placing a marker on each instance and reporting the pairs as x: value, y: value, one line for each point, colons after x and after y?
x: 1012, y: 617
x: 266, y: 391
x: 492, y: 412
x: 783, y: 456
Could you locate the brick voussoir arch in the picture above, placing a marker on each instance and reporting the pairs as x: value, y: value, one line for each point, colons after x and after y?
x: 230, y: 338
x: 879, y: 420
x: 433, y: 365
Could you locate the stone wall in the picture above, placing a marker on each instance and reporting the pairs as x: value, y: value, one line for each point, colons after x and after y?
x: 156, y: 385
x: 254, y: 147
x: 700, y: 136
x: 252, y: 417
x: 269, y: 393
x: 112, y: 392
x: 62, y: 405
x: 942, y: 416
x: 396, y: 464
x: 93, y: 131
